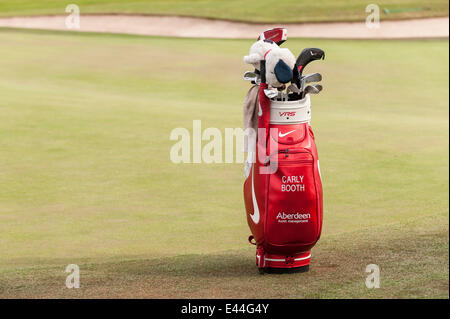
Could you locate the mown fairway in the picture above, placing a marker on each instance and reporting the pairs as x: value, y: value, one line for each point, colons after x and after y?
x: 250, y: 10
x: 85, y: 175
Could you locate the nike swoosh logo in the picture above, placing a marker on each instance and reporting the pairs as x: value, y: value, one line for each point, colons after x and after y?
x: 312, y: 53
x: 255, y: 215
x: 283, y: 135
x: 259, y: 110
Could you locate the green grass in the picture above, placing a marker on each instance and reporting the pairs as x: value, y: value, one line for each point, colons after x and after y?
x: 85, y: 173
x: 250, y: 10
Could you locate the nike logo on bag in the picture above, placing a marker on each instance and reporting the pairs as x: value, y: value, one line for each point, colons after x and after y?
x: 255, y: 215
x: 259, y: 110
x: 283, y: 135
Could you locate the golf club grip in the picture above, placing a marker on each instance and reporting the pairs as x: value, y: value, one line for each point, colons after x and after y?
x: 296, y: 76
x: 262, y: 69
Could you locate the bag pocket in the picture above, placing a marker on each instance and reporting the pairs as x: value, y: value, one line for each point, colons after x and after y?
x: 292, y: 215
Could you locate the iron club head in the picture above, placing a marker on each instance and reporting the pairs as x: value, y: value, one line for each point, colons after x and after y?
x: 271, y: 93
x: 312, y: 89
x: 314, y: 77
x: 252, y: 76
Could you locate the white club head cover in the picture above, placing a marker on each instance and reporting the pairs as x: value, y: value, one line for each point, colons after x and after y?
x: 278, y: 60
x: 257, y: 52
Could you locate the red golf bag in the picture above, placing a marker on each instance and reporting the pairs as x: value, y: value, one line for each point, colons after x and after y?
x: 283, y: 193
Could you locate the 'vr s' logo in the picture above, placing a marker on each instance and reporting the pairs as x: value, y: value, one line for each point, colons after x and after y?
x: 287, y: 113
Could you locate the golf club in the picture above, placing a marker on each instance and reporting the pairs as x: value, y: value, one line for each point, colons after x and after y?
x: 312, y: 89
x: 306, y: 56
x: 271, y: 93
x: 315, y: 77
x: 252, y: 76
x: 294, y: 89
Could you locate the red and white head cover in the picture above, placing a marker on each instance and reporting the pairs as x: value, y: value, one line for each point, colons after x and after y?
x: 277, y: 35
